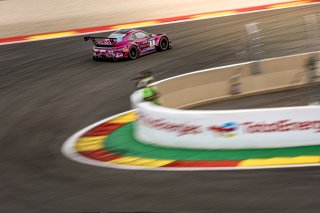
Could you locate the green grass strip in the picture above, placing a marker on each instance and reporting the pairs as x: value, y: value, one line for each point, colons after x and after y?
x: 122, y: 141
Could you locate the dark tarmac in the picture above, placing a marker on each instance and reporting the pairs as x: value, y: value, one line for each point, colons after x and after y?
x: 51, y: 89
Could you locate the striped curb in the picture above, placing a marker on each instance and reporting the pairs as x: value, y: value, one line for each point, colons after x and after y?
x: 91, y: 146
x: 147, y: 23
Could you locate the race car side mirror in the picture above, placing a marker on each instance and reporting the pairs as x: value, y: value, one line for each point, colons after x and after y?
x: 86, y: 38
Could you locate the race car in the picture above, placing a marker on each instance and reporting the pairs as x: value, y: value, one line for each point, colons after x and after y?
x: 128, y: 44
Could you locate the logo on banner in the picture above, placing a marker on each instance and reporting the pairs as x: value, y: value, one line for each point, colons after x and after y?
x: 281, y: 126
x: 229, y: 129
x: 180, y: 129
x: 232, y: 129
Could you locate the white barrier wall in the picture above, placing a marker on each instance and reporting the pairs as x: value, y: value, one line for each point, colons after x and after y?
x: 229, y: 129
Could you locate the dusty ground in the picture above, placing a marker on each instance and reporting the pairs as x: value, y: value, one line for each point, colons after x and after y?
x: 24, y: 17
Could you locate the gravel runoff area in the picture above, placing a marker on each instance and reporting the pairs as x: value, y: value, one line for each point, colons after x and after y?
x: 20, y: 17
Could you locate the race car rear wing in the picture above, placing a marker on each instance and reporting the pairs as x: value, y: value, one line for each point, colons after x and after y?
x: 94, y: 41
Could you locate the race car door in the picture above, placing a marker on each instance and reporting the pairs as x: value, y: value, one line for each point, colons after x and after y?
x: 145, y: 42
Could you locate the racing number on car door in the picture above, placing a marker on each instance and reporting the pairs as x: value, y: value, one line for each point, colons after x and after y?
x: 152, y: 43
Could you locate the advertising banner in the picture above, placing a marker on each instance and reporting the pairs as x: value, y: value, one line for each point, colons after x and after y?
x: 228, y: 129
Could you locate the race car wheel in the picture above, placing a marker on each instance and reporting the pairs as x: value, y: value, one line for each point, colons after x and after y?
x: 163, y: 44
x: 133, y: 52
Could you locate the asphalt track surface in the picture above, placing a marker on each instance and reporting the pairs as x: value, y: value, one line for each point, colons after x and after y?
x: 50, y: 89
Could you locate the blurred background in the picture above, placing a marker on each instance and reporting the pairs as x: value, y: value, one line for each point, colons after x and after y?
x: 50, y: 89
x: 20, y: 17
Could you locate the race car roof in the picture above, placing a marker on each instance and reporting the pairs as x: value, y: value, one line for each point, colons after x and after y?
x: 124, y: 31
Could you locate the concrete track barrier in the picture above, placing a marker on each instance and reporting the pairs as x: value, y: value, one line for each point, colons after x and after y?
x: 213, y: 85
x: 230, y: 129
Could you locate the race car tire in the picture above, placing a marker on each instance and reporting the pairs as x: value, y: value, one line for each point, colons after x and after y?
x: 133, y: 52
x: 163, y: 44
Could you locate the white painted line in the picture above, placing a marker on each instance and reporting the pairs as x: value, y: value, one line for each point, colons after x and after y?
x: 164, y: 23
x: 204, y: 70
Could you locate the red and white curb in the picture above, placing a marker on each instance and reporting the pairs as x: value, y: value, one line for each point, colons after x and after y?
x: 87, y: 148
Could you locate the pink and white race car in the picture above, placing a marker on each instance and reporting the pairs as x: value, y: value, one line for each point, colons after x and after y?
x: 128, y: 43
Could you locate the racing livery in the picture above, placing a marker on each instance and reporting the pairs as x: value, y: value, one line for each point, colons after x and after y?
x: 128, y: 43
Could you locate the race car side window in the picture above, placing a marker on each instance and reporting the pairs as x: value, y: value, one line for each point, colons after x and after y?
x: 131, y: 38
x: 140, y: 35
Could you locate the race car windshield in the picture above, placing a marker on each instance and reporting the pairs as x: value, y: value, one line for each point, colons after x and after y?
x: 117, y: 36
